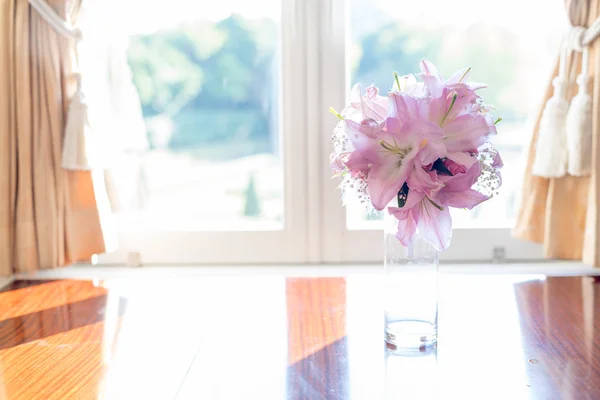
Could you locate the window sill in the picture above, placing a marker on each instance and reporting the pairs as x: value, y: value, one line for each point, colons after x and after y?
x: 550, y: 268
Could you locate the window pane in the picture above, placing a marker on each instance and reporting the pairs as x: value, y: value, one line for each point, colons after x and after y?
x: 508, y: 49
x: 208, y: 79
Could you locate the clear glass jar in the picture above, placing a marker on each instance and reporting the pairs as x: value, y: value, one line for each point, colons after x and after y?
x: 411, y: 290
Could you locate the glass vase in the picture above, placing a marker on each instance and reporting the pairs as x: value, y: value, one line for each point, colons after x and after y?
x: 411, y: 291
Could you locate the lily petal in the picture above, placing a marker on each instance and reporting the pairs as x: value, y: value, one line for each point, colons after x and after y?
x: 407, y: 228
x: 497, y: 162
x: 368, y: 106
x: 373, y: 105
x: 412, y: 200
x: 356, y: 96
x: 435, y: 225
x: 359, y: 161
x: 465, y: 133
x: 407, y: 216
x: 465, y: 199
x: 476, y: 85
x: 427, y: 136
x: 433, y: 84
x: 459, y: 76
x: 431, y: 151
x: 363, y: 134
x: 462, y: 182
x: 385, y: 180
x: 463, y: 158
x: 429, y: 69
x: 425, y: 182
x: 403, y: 106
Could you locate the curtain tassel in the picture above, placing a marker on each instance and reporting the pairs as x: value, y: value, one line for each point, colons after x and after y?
x: 78, y: 137
x: 579, y: 125
x: 551, y: 148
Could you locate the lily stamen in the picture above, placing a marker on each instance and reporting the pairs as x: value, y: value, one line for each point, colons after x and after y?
x: 449, y: 109
x: 465, y: 74
x: 436, y: 205
x: 394, y: 149
x: 397, y: 81
x: 337, y: 114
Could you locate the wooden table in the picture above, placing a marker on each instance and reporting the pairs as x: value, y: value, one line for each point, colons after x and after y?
x: 280, y: 337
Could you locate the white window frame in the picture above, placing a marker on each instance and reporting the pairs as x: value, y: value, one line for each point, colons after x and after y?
x: 288, y: 245
x: 314, y: 76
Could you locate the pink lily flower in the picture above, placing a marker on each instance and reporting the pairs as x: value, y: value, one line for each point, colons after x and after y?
x: 368, y: 106
x: 408, y: 84
x: 435, y: 83
x: 337, y: 162
x: 429, y: 213
x: 453, y: 167
x: 466, y: 133
x: 463, y: 130
x: 432, y: 221
x: 453, y: 105
x: 396, y: 153
x: 457, y: 190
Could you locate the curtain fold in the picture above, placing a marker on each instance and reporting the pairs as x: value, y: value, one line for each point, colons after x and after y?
x: 49, y: 217
x: 562, y: 213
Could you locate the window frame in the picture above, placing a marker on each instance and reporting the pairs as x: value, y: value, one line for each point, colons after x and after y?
x: 288, y: 245
x: 314, y: 76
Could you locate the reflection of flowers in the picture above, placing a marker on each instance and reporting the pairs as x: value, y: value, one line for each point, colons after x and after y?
x: 417, y: 152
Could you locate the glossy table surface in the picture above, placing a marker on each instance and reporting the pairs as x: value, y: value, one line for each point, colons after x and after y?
x: 284, y: 337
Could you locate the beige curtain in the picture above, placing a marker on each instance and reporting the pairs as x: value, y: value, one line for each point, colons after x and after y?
x: 563, y: 213
x: 49, y: 217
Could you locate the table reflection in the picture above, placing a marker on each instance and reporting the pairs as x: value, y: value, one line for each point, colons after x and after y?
x: 317, y: 346
x: 411, y: 374
x: 560, y: 335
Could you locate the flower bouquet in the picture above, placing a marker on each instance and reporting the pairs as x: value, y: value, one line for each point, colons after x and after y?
x: 418, y: 151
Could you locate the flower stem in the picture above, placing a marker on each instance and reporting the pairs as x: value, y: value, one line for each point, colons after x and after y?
x: 397, y: 80
x: 449, y: 109
x: 337, y: 114
x: 436, y: 205
x: 498, y: 120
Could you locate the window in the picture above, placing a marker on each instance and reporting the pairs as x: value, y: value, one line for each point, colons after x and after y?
x: 510, y: 51
x: 231, y: 165
x: 208, y: 177
x: 209, y: 90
